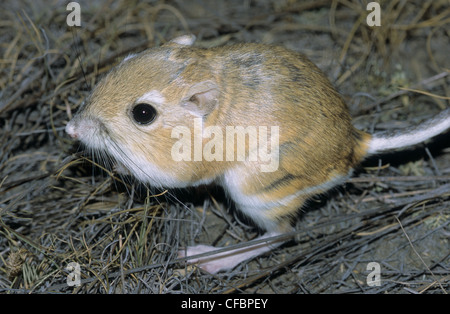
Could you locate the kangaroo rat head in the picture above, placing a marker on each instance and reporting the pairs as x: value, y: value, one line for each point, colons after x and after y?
x: 132, y: 111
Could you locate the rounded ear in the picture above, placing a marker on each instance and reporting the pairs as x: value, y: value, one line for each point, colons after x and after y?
x: 202, y: 98
x: 185, y: 40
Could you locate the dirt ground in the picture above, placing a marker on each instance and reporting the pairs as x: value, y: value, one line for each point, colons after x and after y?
x: 58, y: 207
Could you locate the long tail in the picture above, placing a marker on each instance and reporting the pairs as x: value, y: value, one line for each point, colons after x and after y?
x: 385, y: 141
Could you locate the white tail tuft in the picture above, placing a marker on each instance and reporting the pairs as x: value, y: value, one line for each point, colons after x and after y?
x: 385, y: 141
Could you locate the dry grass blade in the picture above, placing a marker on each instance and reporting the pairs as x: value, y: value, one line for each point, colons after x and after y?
x: 420, y: 257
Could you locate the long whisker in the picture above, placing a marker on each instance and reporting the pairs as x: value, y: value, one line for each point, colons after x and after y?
x: 116, y: 150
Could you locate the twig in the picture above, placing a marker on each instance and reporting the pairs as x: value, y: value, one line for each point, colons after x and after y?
x: 420, y: 257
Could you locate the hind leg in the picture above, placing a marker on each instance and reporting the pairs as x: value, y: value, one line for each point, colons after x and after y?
x: 270, y: 200
x: 230, y: 258
x: 273, y: 216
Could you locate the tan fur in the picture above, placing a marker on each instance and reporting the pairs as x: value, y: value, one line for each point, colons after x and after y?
x: 239, y: 85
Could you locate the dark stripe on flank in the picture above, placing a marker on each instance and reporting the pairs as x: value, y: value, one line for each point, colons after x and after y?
x: 285, y: 180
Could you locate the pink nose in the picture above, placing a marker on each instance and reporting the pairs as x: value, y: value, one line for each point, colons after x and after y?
x: 70, y: 129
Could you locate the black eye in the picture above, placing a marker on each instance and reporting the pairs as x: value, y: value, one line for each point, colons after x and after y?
x: 144, y: 113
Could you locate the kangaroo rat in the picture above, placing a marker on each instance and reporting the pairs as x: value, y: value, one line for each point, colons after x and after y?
x: 133, y: 111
